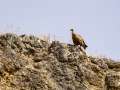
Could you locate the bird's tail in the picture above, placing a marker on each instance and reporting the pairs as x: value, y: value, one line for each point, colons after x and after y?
x: 85, y: 46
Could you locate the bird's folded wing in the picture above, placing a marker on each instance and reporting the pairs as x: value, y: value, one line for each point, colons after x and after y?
x: 78, y: 37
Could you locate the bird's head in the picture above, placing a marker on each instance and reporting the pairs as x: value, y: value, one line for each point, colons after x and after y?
x: 72, y: 30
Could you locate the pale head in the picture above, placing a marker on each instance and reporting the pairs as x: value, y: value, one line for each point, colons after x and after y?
x: 72, y: 30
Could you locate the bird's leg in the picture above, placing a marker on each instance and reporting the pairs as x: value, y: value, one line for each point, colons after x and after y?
x: 75, y: 45
x: 81, y: 48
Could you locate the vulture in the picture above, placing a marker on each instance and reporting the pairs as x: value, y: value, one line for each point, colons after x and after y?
x: 78, y: 40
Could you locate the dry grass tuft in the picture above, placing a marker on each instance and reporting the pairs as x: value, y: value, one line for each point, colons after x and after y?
x: 46, y: 38
x: 96, y: 55
x: 10, y: 29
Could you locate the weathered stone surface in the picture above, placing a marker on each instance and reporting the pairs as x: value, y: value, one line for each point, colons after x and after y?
x: 112, y: 64
x: 28, y: 63
x: 101, y: 63
x: 2, y: 43
x: 10, y: 61
x: 64, y: 52
x: 38, y: 59
x: 113, y: 80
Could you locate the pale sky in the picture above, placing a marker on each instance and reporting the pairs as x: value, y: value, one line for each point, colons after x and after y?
x: 97, y: 21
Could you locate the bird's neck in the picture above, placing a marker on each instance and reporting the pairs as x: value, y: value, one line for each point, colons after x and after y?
x: 72, y: 32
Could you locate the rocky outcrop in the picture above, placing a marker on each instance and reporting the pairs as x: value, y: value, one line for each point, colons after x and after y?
x: 28, y: 63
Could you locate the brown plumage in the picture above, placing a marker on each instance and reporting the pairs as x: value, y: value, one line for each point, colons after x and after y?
x: 78, y: 40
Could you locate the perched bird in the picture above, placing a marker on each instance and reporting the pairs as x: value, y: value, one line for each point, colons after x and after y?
x: 78, y: 40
